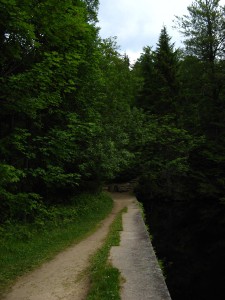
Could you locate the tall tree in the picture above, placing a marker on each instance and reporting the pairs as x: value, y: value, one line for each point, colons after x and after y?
x: 158, y: 70
x: 166, y: 65
x: 146, y: 85
x: 204, y: 31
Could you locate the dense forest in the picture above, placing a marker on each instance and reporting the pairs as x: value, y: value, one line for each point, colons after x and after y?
x: 75, y: 114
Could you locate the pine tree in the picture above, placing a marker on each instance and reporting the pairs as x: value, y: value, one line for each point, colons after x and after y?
x: 158, y: 70
x: 166, y: 65
x: 144, y: 69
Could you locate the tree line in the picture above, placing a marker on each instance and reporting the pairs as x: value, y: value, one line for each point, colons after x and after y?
x: 66, y: 99
x: 186, y: 89
x: 182, y: 180
x: 76, y: 114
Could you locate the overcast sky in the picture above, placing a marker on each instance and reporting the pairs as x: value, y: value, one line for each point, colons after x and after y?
x: 137, y: 23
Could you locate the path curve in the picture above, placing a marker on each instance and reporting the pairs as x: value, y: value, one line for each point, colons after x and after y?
x: 61, y: 278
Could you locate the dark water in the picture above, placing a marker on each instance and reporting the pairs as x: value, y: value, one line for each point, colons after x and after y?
x: 190, y: 239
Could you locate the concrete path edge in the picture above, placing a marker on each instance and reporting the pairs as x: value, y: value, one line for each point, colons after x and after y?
x: 136, y: 260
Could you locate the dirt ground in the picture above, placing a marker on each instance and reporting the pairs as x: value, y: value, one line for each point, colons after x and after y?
x: 66, y: 277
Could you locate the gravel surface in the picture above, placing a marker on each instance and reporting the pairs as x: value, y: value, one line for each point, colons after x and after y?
x: 65, y: 276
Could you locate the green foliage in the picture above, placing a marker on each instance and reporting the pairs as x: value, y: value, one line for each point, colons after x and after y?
x: 181, y: 157
x: 203, y: 28
x: 65, y: 98
x: 9, y: 174
x: 74, y: 113
x: 146, y: 85
x: 181, y: 141
x: 158, y: 70
x: 166, y: 65
x: 25, y: 246
x: 165, y: 157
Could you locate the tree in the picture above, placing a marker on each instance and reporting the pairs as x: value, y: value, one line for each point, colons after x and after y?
x: 158, y: 70
x: 44, y: 64
x: 204, y: 32
x: 65, y: 103
x: 191, y: 80
x: 164, y: 159
x: 113, y: 100
x: 166, y: 66
x: 144, y: 70
x: 182, y: 164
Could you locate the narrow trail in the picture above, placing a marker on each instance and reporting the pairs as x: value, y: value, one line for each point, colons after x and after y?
x: 64, y: 277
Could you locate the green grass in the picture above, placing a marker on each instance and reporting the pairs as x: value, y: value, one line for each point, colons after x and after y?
x: 24, y: 247
x: 105, y: 279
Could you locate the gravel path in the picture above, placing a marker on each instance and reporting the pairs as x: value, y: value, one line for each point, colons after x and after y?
x: 64, y: 276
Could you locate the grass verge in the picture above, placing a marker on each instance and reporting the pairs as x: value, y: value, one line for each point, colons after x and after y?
x: 25, y: 246
x: 105, y: 279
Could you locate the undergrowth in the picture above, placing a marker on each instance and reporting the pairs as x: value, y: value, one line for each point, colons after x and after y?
x: 105, y: 279
x: 25, y: 246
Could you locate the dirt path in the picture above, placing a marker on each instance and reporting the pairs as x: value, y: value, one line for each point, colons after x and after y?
x: 64, y: 276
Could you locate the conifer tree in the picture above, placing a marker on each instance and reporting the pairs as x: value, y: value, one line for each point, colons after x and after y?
x: 144, y: 69
x: 166, y: 65
x: 158, y: 70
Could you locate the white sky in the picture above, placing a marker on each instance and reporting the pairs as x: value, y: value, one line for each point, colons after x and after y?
x: 137, y: 23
